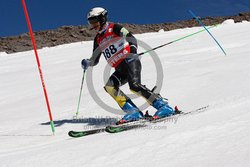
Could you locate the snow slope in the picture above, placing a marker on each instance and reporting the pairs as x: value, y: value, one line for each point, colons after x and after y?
x: 196, y: 74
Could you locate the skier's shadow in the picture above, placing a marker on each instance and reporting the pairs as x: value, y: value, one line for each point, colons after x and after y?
x: 87, y: 121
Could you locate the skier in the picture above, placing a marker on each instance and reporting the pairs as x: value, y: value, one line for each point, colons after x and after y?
x: 119, y: 48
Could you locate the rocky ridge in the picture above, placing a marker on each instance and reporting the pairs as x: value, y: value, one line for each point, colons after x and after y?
x: 69, y: 34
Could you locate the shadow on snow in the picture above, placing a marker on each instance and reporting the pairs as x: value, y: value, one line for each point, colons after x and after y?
x: 87, y: 121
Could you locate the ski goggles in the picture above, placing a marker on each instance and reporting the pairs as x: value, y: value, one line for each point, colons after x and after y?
x: 93, y: 20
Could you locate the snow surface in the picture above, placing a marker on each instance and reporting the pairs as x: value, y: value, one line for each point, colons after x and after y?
x: 196, y: 74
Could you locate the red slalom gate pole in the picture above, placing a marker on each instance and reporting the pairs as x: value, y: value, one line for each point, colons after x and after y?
x: 38, y: 64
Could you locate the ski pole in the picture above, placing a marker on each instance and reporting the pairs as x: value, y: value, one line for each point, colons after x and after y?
x: 142, y: 53
x: 79, y: 99
x: 192, y: 13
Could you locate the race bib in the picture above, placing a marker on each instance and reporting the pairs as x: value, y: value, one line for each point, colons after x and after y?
x: 116, y: 51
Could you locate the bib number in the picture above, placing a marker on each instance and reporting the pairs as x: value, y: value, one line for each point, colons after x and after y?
x: 109, y: 51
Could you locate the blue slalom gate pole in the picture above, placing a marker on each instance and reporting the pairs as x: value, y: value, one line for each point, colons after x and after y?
x: 192, y: 13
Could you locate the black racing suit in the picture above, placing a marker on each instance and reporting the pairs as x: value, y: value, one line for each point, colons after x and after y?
x: 129, y: 70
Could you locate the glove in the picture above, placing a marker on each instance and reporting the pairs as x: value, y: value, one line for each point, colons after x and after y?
x: 85, y: 64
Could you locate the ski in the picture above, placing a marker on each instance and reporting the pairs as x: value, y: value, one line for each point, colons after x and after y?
x: 136, y: 124
x: 148, y: 121
x: 132, y: 125
x: 77, y: 134
x: 126, y: 126
x: 110, y: 128
x: 181, y: 113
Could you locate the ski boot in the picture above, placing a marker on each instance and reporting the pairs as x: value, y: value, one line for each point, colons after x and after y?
x: 163, y: 109
x: 133, y: 113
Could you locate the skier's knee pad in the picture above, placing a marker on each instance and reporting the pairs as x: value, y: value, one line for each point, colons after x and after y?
x: 143, y: 91
x: 118, y: 95
x: 110, y: 90
x: 135, y: 87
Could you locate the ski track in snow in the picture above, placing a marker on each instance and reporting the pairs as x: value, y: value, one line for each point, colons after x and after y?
x: 196, y: 74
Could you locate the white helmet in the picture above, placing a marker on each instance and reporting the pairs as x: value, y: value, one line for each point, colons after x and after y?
x: 97, y: 14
